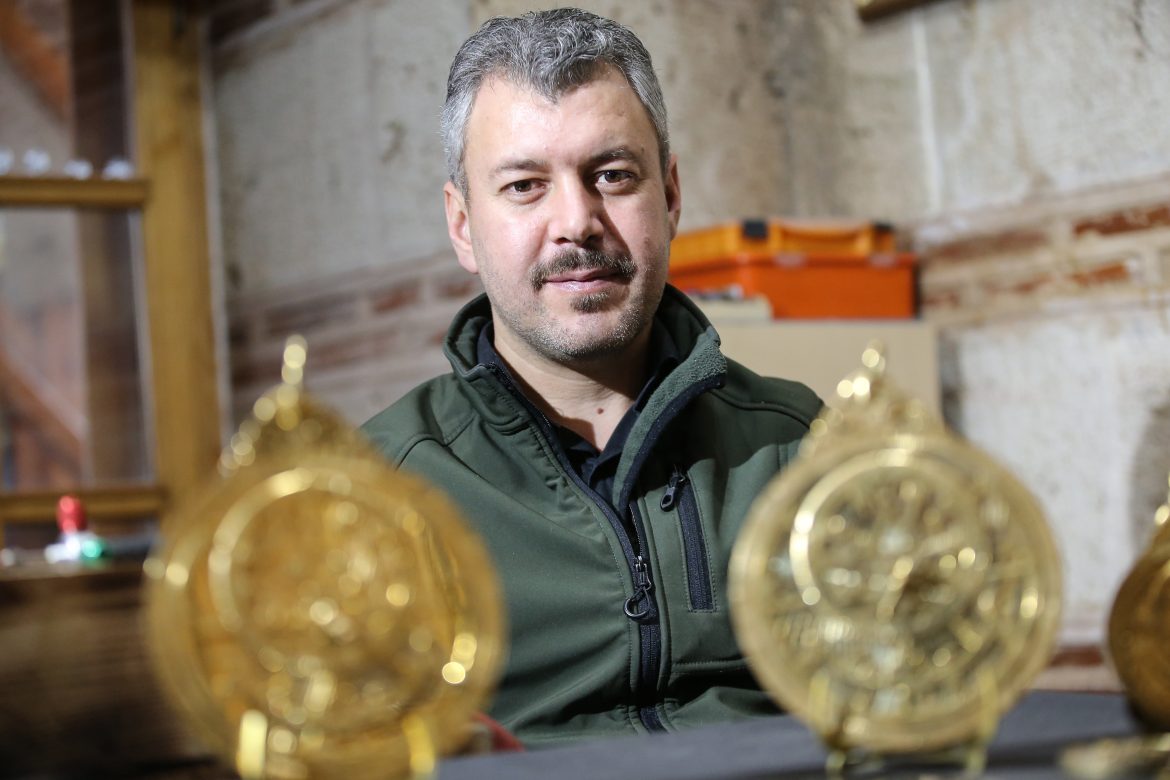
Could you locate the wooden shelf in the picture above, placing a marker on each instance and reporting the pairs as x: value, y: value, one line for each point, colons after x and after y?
x: 115, y: 503
x: 59, y: 191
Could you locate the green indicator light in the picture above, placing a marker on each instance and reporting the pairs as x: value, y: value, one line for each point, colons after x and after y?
x: 92, y: 549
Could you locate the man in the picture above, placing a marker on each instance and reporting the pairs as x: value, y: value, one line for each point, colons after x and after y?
x: 590, y: 429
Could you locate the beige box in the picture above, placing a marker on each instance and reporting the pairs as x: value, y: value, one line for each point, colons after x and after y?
x: 821, y: 353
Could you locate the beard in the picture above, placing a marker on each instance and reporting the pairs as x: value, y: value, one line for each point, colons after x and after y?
x: 544, y: 334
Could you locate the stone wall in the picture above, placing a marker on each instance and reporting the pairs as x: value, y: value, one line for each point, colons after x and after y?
x: 969, y: 104
x: 329, y: 155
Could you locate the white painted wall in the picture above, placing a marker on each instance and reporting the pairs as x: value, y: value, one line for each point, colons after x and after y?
x: 329, y: 155
x: 1077, y: 404
x: 966, y: 104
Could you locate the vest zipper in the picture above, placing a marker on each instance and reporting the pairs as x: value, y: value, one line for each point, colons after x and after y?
x: 680, y: 496
x: 641, y: 603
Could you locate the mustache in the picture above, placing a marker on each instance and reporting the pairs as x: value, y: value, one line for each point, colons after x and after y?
x: 615, y: 264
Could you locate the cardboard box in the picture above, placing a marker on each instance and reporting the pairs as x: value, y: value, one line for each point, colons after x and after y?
x: 821, y: 354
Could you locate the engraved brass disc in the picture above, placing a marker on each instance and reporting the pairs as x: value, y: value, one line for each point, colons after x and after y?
x: 894, y: 587
x: 330, y: 605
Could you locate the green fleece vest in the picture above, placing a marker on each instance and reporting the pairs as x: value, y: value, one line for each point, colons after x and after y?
x: 619, y: 621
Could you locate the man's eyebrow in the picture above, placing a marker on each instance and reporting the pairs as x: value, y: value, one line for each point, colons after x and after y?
x: 619, y: 154
x: 522, y: 164
x: 518, y: 164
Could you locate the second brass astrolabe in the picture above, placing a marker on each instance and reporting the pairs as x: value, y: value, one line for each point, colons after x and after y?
x: 317, y: 614
x: 1139, y: 635
x: 894, y: 587
x: 1139, y: 628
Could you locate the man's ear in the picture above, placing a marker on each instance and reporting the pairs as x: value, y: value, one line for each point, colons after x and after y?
x: 673, y: 195
x: 459, y: 226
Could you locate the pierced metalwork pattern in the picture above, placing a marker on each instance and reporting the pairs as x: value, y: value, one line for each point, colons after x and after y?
x: 317, y: 614
x: 894, y: 587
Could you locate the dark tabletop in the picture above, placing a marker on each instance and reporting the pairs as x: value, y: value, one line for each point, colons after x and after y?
x: 1028, y: 744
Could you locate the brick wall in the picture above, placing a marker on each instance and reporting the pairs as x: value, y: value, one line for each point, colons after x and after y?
x: 372, y: 334
x: 1097, y: 245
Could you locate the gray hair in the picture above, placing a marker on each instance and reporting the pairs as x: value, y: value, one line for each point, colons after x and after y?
x: 550, y: 52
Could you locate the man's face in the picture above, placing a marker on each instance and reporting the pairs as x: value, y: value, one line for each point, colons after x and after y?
x: 568, y: 217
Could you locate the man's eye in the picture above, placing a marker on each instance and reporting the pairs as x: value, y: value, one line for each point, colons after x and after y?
x: 521, y: 187
x: 614, y: 177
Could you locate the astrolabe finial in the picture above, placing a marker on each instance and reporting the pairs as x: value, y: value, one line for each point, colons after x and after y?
x: 316, y: 613
x: 1162, y: 514
x: 893, y: 586
x: 292, y: 370
x: 860, y: 385
x: 287, y: 419
x: 869, y: 404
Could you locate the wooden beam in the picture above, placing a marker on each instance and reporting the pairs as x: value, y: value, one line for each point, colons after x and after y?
x: 55, y: 191
x: 102, y: 503
x: 169, y: 145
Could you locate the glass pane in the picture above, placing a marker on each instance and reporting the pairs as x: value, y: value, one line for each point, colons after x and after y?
x: 72, y: 409
x: 63, y: 93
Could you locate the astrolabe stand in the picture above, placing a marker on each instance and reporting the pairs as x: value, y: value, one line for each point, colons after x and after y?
x: 844, y: 758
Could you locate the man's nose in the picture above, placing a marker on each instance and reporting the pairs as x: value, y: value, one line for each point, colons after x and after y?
x: 576, y: 215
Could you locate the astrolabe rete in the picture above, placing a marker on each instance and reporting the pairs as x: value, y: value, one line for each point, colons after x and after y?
x: 318, y: 614
x: 894, y: 587
x: 1139, y: 628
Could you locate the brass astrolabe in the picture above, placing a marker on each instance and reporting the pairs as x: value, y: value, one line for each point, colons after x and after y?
x: 1139, y: 635
x: 1139, y: 628
x: 894, y: 587
x: 316, y: 614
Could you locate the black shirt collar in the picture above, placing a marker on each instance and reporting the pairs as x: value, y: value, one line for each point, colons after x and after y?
x: 598, y: 468
x: 663, y: 356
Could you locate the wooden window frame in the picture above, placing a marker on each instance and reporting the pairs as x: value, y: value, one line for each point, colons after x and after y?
x: 55, y: 191
x: 183, y: 413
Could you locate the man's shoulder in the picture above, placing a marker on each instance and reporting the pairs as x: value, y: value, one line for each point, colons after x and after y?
x: 434, y: 410
x: 750, y: 390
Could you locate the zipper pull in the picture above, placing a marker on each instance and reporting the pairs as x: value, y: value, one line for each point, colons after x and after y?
x: 677, y: 480
x: 642, y: 573
x: 642, y: 586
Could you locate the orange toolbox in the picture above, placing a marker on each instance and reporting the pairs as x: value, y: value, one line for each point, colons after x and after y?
x: 806, y: 269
